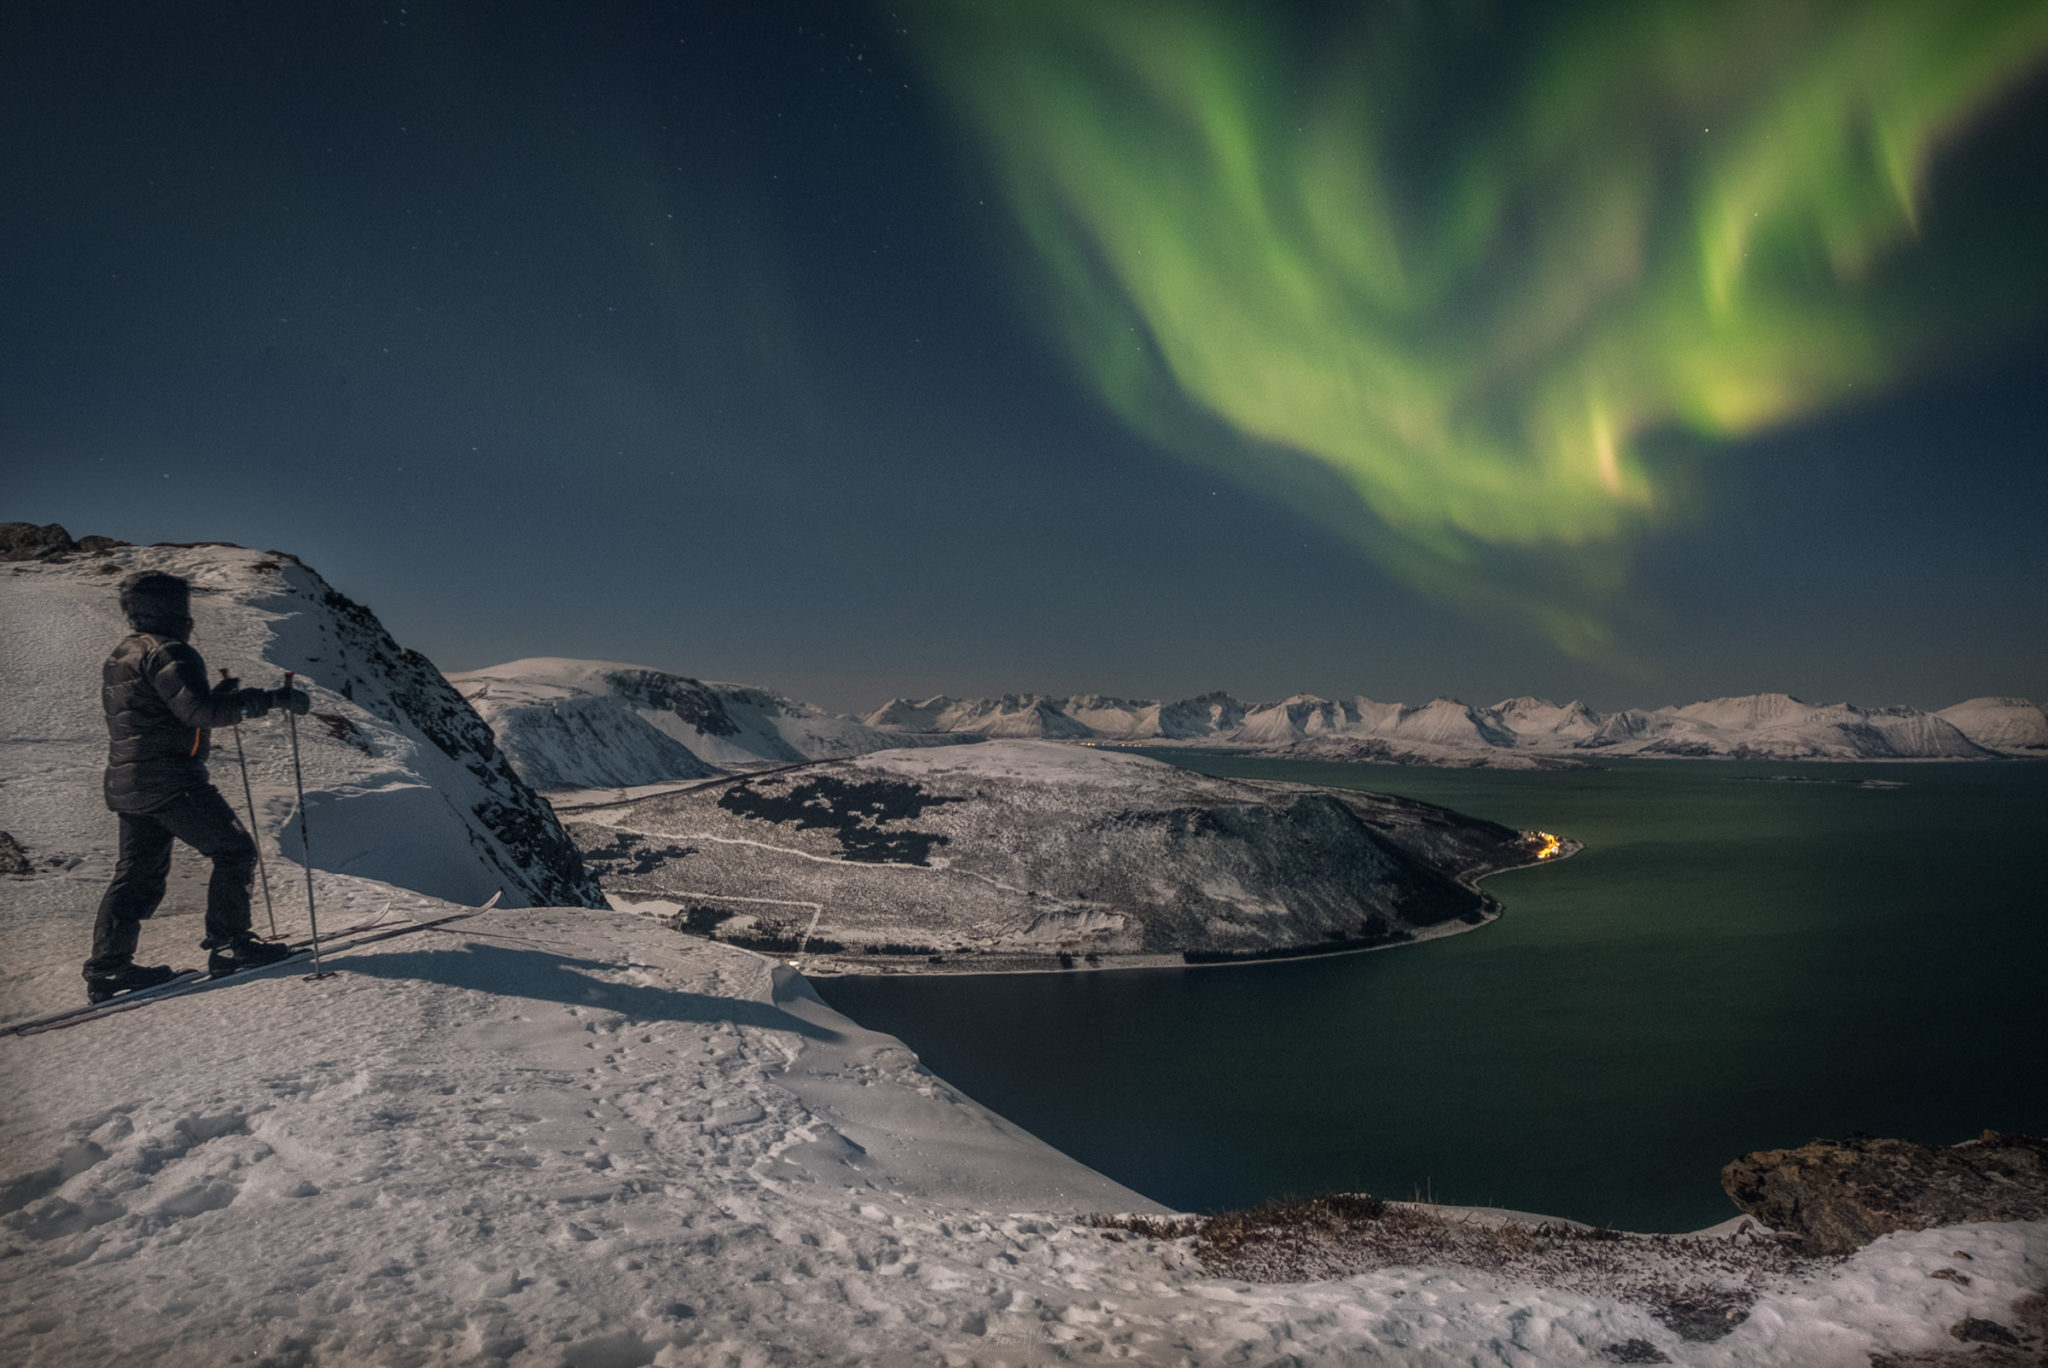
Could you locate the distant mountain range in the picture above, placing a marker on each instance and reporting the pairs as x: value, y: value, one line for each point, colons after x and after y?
x: 581, y: 724
x: 1530, y: 732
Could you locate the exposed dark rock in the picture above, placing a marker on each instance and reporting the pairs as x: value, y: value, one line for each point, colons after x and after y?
x: 628, y: 855
x: 1635, y: 1351
x: 535, y: 860
x: 1977, y: 1330
x: 344, y: 731
x: 2030, y: 1314
x: 1701, y: 1315
x: 686, y: 698
x: 1838, y: 1195
x: 20, y: 541
x: 854, y: 810
x: 13, y: 859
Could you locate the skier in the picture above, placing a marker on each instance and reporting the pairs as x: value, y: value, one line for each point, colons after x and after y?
x: 159, y: 711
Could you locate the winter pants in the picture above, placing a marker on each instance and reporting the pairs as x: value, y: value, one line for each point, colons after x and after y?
x: 202, y: 819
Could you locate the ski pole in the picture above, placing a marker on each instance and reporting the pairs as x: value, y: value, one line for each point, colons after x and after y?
x: 291, y: 720
x: 249, y: 796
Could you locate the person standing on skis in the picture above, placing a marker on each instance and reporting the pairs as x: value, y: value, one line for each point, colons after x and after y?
x: 159, y: 712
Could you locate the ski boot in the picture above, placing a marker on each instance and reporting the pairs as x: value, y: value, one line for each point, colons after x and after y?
x: 242, y: 952
x: 106, y: 983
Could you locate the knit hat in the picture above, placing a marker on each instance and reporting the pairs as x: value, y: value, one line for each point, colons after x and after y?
x: 153, y: 600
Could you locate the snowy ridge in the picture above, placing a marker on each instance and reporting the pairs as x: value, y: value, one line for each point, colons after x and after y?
x: 404, y: 782
x: 1012, y: 716
x: 579, y: 724
x: 1514, y: 732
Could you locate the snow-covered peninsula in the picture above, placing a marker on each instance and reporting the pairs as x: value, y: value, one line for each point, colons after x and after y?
x: 1032, y: 855
x: 557, y: 1135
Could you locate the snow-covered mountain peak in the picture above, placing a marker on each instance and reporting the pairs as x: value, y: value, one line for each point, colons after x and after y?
x: 404, y: 782
x: 2013, y: 725
x: 601, y: 724
x: 1747, y: 710
x: 1533, y: 721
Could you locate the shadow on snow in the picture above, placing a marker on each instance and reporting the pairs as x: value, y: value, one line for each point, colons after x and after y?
x: 547, y: 977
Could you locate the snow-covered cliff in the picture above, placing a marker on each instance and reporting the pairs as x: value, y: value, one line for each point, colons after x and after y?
x: 404, y: 782
x: 578, y: 724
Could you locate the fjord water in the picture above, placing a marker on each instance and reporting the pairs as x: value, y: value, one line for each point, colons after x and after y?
x: 1745, y: 956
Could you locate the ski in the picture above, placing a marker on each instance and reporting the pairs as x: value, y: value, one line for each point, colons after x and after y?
x: 182, y: 976
x: 197, y: 980
x: 485, y: 906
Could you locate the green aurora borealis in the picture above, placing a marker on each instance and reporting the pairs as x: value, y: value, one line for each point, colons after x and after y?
x: 1479, y: 262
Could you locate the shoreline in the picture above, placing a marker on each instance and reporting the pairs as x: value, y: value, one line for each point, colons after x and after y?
x: 1569, y: 760
x: 826, y: 966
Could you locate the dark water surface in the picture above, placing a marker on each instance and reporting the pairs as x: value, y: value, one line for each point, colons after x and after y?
x: 1730, y: 965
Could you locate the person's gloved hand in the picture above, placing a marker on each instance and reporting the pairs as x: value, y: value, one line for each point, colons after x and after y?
x: 255, y: 702
x: 293, y: 699
x: 228, y: 685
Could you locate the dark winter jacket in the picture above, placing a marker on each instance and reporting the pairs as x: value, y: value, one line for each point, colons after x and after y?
x: 159, y: 710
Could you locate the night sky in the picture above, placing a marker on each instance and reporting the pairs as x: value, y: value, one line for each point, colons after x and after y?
x: 1632, y: 352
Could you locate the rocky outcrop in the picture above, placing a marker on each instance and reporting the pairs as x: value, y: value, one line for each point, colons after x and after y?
x: 20, y: 541
x: 515, y: 832
x: 1839, y: 1195
x: 404, y: 783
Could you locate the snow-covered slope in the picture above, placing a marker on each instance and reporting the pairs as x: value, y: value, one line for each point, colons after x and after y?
x: 1008, y: 854
x: 574, y: 1139
x: 1514, y: 732
x: 1012, y: 715
x: 575, y: 724
x: 2011, y: 725
x: 1538, y: 721
x: 404, y: 782
x: 1780, y: 727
